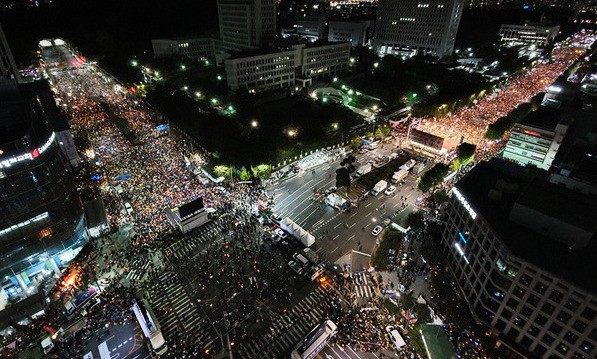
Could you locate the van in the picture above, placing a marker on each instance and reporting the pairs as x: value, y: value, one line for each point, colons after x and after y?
x: 47, y: 345
x: 300, y: 259
x: 311, y: 255
x: 395, y: 337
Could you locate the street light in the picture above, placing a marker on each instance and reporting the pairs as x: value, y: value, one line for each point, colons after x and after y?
x: 214, y: 101
x: 291, y: 133
x: 254, y: 124
x: 134, y: 63
x: 183, y: 67
x: 219, y: 78
x: 376, y: 65
x: 185, y: 88
x: 335, y: 79
x: 335, y: 125
x: 198, y: 94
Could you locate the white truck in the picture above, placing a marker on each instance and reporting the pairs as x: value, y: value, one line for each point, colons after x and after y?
x: 409, y: 164
x: 364, y: 169
x: 399, y: 175
x: 379, y: 187
x: 335, y: 200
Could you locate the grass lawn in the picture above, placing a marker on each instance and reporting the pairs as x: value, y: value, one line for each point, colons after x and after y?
x: 391, y: 239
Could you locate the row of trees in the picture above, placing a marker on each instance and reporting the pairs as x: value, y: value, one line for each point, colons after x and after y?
x: 261, y: 171
x: 379, y: 134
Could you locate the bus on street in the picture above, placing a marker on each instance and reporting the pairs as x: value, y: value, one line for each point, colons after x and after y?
x: 314, y: 342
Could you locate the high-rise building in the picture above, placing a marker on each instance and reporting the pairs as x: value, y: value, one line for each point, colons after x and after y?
x: 408, y: 28
x: 522, y: 250
x: 246, y: 24
x: 41, y: 218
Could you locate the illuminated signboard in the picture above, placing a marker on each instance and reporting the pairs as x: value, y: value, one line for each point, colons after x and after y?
x: 5, y: 163
x: 465, y: 203
x: 460, y: 251
x: 532, y: 133
x: 462, y: 237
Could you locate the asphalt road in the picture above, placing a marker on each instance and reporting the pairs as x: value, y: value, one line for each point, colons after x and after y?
x: 122, y: 342
x: 338, y: 233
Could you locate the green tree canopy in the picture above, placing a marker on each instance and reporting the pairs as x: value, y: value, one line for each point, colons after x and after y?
x: 433, y: 177
x: 244, y: 175
x: 464, y: 155
x: 415, y: 220
x: 496, y: 130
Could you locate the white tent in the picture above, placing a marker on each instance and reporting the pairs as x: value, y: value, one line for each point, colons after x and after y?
x: 294, y: 229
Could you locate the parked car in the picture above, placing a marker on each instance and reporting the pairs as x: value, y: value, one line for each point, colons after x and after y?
x: 377, y: 230
x: 275, y: 218
x: 390, y: 190
x: 280, y: 233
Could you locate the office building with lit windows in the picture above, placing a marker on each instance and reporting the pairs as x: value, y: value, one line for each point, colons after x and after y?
x: 311, y: 27
x: 42, y: 227
x: 522, y: 251
x: 407, y: 28
x: 246, y: 24
x: 527, y: 34
x: 201, y: 48
x: 262, y: 70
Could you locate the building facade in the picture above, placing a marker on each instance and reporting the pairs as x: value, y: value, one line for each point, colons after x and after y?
x: 407, y: 28
x: 41, y: 226
x: 311, y: 26
x: 536, y: 140
x: 246, y: 24
x: 527, y: 34
x: 196, y: 48
x: 266, y: 70
x: 262, y: 72
x: 358, y: 33
x: 523, y: 268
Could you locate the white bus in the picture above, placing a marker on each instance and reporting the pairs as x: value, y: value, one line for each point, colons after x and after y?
x: 317, y: 338
x: 150, y: 326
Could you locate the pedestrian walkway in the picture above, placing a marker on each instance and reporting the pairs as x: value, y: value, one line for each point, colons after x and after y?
x: 178, y: 316
x: 363, y: 286
x: 287, y: 330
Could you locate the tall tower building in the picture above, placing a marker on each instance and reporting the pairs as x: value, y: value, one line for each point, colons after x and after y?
x: 408, y: 28
x: 41, y: 217
x: 246, y: 24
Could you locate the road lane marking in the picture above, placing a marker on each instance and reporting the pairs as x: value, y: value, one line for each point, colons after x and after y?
x: 337, y: 235
x: 353, y: 352
x: 334, y: 250
x: 368, y: 204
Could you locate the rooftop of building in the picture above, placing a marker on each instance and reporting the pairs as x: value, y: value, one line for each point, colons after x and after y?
x: 578, y: 152
x: 546, y: 118
x: 16, y: 112
x: 532, y: 189
x: 283, y: 45
x: 15, y: 121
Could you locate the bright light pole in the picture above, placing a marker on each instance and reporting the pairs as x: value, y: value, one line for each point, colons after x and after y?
x: 254, y: 123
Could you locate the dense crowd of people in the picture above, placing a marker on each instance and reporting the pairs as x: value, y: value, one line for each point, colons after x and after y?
x: 469, y: 123
x: 128, y: 160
